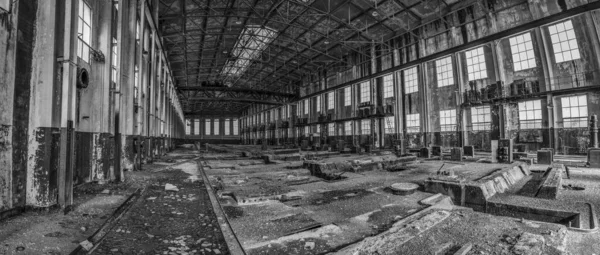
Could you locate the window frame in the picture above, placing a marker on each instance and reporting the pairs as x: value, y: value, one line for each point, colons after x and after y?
x: 84, y: 43
x: 479, y: 113
x: 527, y: 122
x: 448, y: 120
x: 365, y: 92
x: 226, y: 127
x: 388, y: 86
x: 207, y: 126
x: 413, y: 123
x: 330, y: 100
x: 348, y: 96
x: 216, y: 126
x: 348, y: 128
x: 476, y: 70
x: 411, y: 80
x: 558, y: 43
x: 331, y: 129
x: 582, y: 121
x: 365, y: 127
x: 522, y: 53
x: 392, y: 129
x: 444, y: 72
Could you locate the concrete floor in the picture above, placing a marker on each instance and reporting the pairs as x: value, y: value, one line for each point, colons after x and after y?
x: 337, y: 216
x: 281, y: 208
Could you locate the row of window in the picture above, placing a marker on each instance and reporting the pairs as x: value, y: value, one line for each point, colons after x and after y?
x: 230, y: 127
x: 574, y: 115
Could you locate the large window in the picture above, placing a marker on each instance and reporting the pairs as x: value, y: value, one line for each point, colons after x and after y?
x: 564, y: 41
x: 365, y: 92
x: 330, y: 101
x: 530, y: 114
x: 476, y: 64
x: 188, y: 127
x: 236, y: 128
x: 365, y: 127
x: 306, y: 130
x: 413, y: 123
x: 390, y: 125
x: 226, y: 125
x: 448, y: 120
x: 575, y: 111
x: 521, y: 48
x: 411, y: 80
x: 318, y: 99
x: 196, y: 130
x: 306, y: 106
x: 207, y: 127
x: 331, y: 129
x: 348, y: 96
x: 388, y: 86
x: 318, y: 129
x: 84, y: 31
x: 348, y: 128
x: 445, y: 75
x: 216, y: 126
x: 481, y: 118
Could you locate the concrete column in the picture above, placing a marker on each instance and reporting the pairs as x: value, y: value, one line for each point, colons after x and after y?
x: 67, y: 114
x: 42, y: 185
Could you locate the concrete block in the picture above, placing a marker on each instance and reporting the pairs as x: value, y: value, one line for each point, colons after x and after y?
x: 594, y: 157
x: 552, y: 184
x: 494, y: 146
x: 452, y: 189
x: 545, y: 157
x: 425, y: 153
x: 436, y: 150
x: 456, y: 154
x: 469, y: 151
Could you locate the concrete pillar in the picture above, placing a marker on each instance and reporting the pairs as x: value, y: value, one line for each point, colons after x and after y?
x: 42, y: 165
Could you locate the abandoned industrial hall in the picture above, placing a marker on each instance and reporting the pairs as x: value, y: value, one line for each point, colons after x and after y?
x: 350, y: 127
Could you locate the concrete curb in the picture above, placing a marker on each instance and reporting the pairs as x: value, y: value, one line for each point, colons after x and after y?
x: 593, y: 221
x: 233, y: 244
x: 96, y: 238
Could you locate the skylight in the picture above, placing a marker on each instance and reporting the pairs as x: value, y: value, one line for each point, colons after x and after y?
x: 252, y: 41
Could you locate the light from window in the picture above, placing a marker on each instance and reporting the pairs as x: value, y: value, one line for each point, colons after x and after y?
x: 575, y: 111
x: 413, y: 123
x: 411, y: 80
x: 306, y: 130
x: 207, y: 127
x: 216, y: 126
x: 114, y: 63
x: 448, y: 120
x: 348, y: 96
x: 476, y: 64
x: 365, y: 92
x: 390, y: 125
x: 84, y: 31
x: 522, y: 52
x: 188, y: 127
x: 306, y: 106
x: 236, y: 128
x: 530, y: 114
x: 388, y: 86
x: 330, y: 101
x: 348, y: 128
x: 331, y: 129
x: 481, y: 118
x: 445, y: 76
x: 318, y: 99
x: 564, y: 42
x: 226, y: 126
x: 318, y: 129
x: 196, y: 127
x: 365, y: 127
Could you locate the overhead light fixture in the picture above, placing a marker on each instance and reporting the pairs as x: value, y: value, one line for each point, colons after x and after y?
x: 225, y: 52
x: 238, y: 21
x: 375, y: 13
